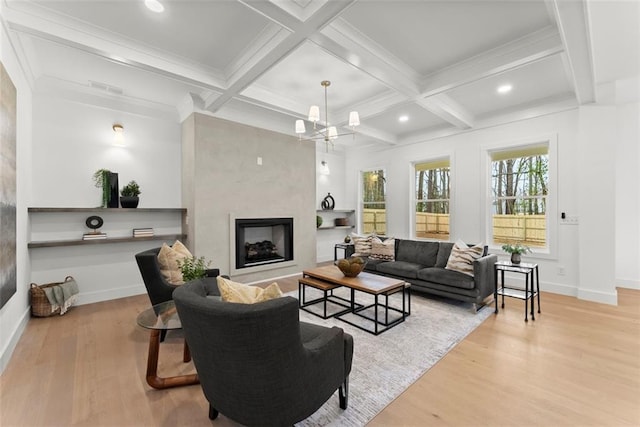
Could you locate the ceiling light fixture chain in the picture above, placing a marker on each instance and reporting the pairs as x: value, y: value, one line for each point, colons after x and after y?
x: 329, y: 133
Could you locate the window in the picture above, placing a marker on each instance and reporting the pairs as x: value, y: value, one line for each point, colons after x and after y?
x: 432, y: 200
x: 374, y: 211
x: 520, y: 190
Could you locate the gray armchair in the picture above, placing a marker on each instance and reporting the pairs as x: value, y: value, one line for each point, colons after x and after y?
x: 158, y: 289
x: 257, y: 363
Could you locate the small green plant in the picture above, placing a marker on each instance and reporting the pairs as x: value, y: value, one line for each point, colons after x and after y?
x: 193, y: 268
x: 515, y: 248
x: 132, y: 189
x: 101, y: 180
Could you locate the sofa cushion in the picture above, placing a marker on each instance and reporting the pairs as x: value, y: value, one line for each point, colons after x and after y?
x: 372, y: 264
x: 446, y: 277
x: 400, y: 268
x: 245, y: 294
x: 362, y: 244
x: 417, y: 252
x: 444, y: 250
x: 383, y: 250
x: 463, y: 256
x: 168, y: 259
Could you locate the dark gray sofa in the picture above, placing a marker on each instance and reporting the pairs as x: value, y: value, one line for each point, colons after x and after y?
x: 423, y: 263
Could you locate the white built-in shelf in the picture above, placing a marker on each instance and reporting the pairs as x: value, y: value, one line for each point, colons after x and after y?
x: 329, y: 216
x: 147, y: 215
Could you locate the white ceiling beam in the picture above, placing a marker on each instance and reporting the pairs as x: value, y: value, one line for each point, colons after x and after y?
x: 446, y: 108
x: 571, y: 17
x: 271, y: 55
x: 118, y: 52
x: 526, y: 50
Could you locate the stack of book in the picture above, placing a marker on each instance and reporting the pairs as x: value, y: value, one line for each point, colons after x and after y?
x: 94, y: 235
x: 142, y: 232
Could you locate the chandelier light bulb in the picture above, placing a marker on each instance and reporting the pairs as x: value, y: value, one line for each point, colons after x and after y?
x: 300, y: 126
x: 333, y: 133
x: 354, y: 119
x: 314, y: 113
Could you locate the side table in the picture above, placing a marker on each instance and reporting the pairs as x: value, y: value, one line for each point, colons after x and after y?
x: 349, y: 249
x: 163, y: 317
x: 530, y: 272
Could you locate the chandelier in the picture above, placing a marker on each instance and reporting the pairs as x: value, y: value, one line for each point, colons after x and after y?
x: 328, y: 133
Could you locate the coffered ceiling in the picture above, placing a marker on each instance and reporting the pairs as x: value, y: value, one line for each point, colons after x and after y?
x: 260, y: 62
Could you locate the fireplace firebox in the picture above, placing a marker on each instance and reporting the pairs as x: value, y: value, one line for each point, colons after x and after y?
x: 262, y: 241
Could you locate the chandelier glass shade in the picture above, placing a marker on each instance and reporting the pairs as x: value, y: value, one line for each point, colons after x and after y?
x: 328, y: 133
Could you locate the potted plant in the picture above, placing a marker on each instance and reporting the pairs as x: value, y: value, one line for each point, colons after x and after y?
x: 516, y: 250
x: 129, y: 195
x: 193, y: 268
x: 108, y: 182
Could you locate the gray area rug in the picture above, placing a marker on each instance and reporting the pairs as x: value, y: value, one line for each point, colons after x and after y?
x: 385, y: 365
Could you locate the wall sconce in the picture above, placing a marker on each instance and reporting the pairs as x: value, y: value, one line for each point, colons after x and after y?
x: 324, y: 168
x: 118, y: 137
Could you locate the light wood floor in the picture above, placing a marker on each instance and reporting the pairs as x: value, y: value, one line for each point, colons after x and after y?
x: 578, y: 364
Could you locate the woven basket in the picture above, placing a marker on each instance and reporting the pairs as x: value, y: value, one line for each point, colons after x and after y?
x: 40, y: 305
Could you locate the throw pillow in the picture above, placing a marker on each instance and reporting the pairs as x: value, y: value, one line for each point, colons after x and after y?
x: 240, y: 293
x: 362, y: 244
x: 168, y: 260
x: 383, y: 250
x: 463, y: 256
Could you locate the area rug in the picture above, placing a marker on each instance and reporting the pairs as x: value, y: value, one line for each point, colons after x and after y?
x: 385, y: 365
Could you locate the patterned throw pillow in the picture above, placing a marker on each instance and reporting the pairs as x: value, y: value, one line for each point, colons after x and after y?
x: 168, y: 260
x: 383, y: 250
x: 245, y: 294
x: 463, y: 256
x: 362, y: 244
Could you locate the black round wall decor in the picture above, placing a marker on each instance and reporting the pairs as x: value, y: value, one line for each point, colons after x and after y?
x: 94, y: 222
x: 328, y: 203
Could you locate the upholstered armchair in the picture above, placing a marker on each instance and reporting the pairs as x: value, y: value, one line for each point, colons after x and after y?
x: 257, y: 363
x: 158, y: 289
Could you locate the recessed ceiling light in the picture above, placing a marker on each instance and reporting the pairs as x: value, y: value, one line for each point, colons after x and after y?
x: 403, y: 119
x: 154, y: 5
x: 504, y: 88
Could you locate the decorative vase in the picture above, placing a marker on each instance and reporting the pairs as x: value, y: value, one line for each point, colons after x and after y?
x: 328, y: 203
x: 113, y: 190
x: 347, y: 239
x: 516, y: 258
x: 129, y: 201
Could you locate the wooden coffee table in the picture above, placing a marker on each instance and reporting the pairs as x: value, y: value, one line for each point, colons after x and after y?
x: 372, y: 284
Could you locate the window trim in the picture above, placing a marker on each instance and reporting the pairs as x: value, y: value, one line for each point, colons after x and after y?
x: 551, y: 140
x: 412, y: 194
x: 359, y: 213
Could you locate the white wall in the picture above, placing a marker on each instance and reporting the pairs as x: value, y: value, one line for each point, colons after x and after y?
x: 569, y: 267
x: 71, y: 140
x: 15, y: 313
x: 333, y: 183
x: 627, y: 191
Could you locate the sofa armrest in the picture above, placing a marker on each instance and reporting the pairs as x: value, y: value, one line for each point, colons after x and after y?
x: 212, y: 272
x: 484, y: 274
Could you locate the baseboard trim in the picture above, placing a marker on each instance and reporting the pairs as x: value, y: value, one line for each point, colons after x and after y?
x: 610, y: 298
x: 7, y: 351
x: 110, y: 294
x: 628, y: 284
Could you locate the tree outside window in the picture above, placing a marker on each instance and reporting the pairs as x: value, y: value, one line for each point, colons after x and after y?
x: 374, y: 211
x: 520, y: 187
x: 432, y: 199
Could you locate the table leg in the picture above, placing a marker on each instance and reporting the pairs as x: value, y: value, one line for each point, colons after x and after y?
x: 152, y: 367
x: 502, y: 278
x: 495, y: 287
x: 533, y: 298
x: 538, y: 286
x: 375, y: 315
x: 526, y: 297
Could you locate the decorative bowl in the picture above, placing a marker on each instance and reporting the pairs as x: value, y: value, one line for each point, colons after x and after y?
x: 351, y: 266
